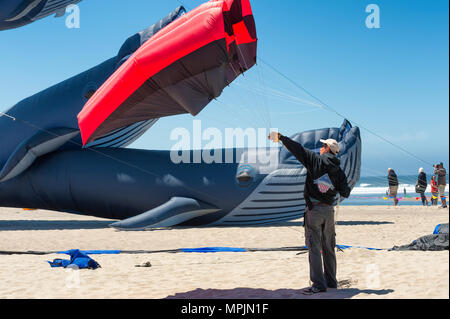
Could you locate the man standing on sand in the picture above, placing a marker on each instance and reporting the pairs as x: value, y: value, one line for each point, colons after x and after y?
x: 324, y: 180
x: 393, y: 185
x: 442, y: 182
x: 421, y: 186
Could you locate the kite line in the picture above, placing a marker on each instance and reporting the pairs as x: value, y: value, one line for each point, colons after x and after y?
x: 329, y: 108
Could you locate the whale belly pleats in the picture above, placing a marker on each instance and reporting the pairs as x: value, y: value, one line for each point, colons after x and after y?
x: 54, y: 5
x: 279, y: 197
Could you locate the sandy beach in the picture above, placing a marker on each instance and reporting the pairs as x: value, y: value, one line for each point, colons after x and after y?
x: 366, y: 273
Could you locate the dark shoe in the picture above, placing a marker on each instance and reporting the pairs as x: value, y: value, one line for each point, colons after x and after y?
x: 313, y: 290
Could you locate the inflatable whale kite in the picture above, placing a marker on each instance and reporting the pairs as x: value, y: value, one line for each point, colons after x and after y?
x: 17, y: 13
x: 64, y: 149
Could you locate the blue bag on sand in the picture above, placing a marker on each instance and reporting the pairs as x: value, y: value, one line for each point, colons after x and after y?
x: 77, y: 258
x: 436, y: 229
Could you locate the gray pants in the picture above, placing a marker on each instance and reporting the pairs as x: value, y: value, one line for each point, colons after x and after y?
x: 320, y: 236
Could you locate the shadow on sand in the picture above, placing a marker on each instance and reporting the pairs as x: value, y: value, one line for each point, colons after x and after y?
x: 252, y: 293
x: 354, y: 223
x: 16, y: 225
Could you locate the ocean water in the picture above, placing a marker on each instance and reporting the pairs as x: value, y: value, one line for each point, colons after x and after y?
x: 371, y: 190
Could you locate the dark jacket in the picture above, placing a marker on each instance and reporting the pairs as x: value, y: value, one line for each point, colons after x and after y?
x: 392, y: 178
x: 422, y: 181
x: 442, y: 176
x: 318, y: 166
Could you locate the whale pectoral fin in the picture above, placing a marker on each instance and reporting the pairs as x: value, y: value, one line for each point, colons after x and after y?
x: 39, y: 144
x: 174, y: 212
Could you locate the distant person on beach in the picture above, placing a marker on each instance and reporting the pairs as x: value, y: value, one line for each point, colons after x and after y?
x: 324, y: 180
x: 442, y: 182
x: 434, y: 191
x: 393, y: 185
x: 421, y: 186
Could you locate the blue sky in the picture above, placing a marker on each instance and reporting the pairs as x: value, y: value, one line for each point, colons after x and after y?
x: 392, y: 80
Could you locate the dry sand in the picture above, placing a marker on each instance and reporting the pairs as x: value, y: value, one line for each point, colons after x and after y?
x: 271, y: 275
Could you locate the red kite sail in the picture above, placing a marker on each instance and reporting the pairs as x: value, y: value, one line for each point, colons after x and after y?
x: 178, y: 70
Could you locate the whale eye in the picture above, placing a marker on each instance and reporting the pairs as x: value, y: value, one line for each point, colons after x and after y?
x: 89, y: 94
x: 244, y: 176
x: 89, y: 90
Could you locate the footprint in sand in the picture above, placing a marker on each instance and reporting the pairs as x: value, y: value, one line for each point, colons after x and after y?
x: 346, y: 283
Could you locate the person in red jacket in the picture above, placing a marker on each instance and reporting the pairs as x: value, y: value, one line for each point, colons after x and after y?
x: 434, y: 191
